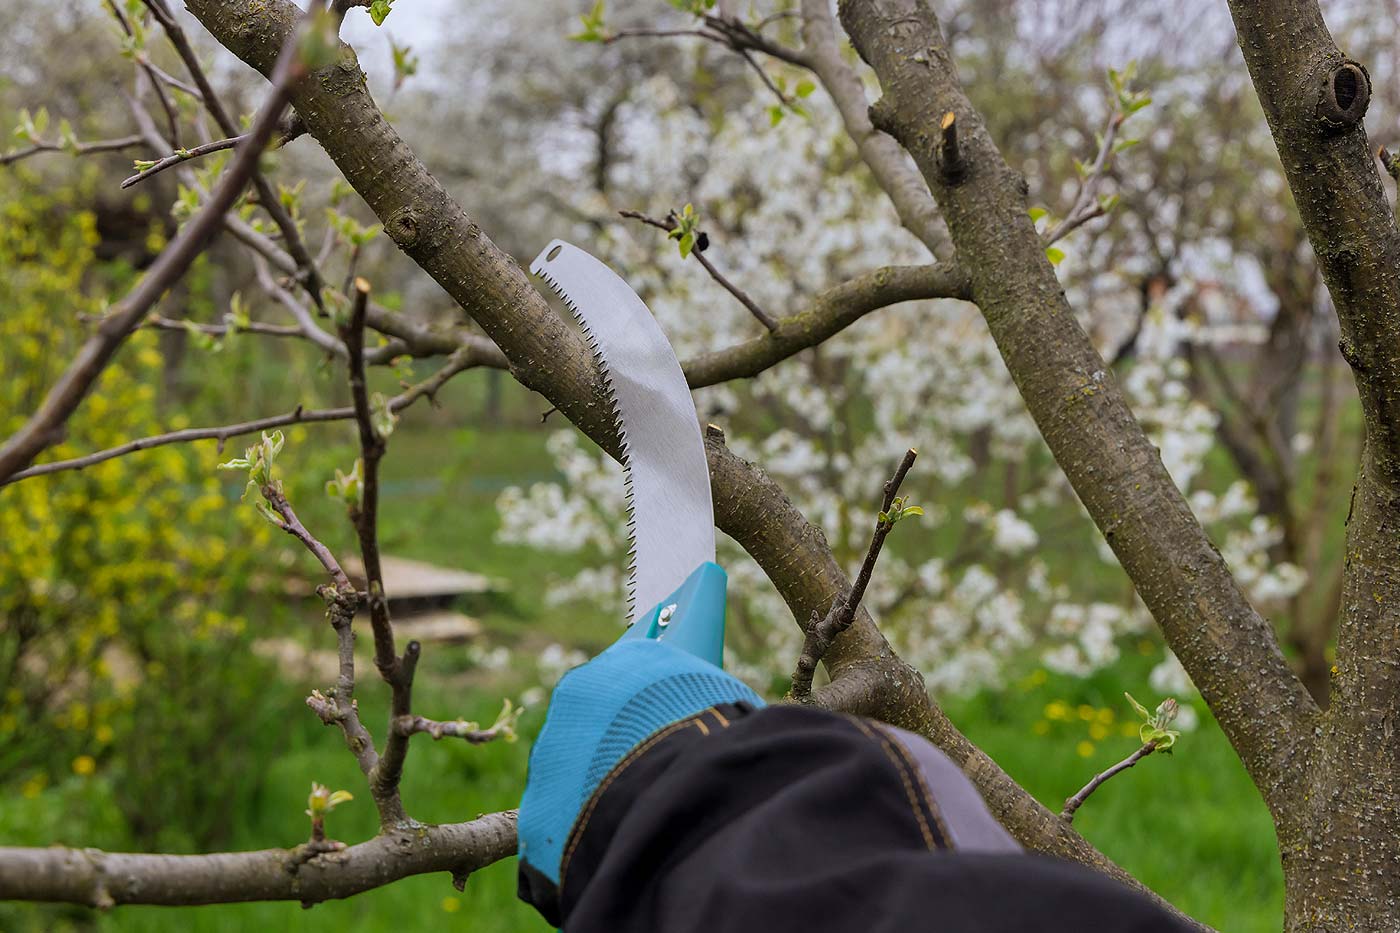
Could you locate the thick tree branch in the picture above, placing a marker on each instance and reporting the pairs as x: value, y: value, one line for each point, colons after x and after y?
x: 105, y: 879
x: 1080, y: 410
x: 829, y: 313
x: 1314, y: 98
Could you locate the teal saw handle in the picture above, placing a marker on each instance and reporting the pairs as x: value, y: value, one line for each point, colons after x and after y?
x: 665, y: 667
x: 691, y: 618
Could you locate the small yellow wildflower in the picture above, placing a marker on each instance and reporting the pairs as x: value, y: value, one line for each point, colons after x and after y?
x: 84, y: 765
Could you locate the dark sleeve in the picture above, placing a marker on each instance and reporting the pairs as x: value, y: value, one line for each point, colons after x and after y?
x: 794, y: 819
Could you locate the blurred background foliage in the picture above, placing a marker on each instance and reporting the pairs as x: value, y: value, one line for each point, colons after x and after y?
x: 153, y: 662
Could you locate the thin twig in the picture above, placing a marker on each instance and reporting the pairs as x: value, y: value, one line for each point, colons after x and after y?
x: 156, y: 322
x: 277, y: 501
x: 410, y: 725
x: 1077, y: 801
x: 300, y: 313
x: 396, y: 671
x: 668, y: 224
x: 731, y: 33
x: 342, y: 601
x: 465, y: 358
x: 366, y: 514
x: 101, y: 145
x: 1085, y: 207
x: 289, y: 133
x: 821, y: 632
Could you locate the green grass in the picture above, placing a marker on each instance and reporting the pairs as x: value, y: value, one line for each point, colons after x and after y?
x: 1190, y: 825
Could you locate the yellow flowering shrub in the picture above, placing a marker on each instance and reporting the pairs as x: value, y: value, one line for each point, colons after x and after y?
x: 122, y: 650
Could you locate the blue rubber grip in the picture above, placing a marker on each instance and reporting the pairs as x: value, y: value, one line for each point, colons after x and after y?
x: 691, y: 618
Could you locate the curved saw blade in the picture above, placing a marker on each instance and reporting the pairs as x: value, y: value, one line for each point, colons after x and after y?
x: 670, y: 519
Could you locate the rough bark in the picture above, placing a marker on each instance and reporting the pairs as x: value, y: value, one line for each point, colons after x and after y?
x: 1341, y: 849
x: 1231, y: 652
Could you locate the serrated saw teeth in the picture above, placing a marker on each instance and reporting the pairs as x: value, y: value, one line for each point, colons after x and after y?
x: 669, y: 517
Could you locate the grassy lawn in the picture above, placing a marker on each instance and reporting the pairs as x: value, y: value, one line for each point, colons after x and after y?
x: 1190, y: 825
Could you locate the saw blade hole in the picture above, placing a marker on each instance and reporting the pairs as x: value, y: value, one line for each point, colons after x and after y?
x: 553, y: 253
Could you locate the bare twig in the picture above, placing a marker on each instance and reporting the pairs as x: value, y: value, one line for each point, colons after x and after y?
x: 342, y: 601
x: 292, y: 525
x: 409, y: 725
x: 366, y: 513
x: 1077, y: 801
x: 1086, y: 207
x: 821, y: 632
x: 45, y: 427
x: 156, y: 322
x: 466, y: 357
x: 101, y: 145
x: 396, y: 671
x: 669, y: 224
x: 289, y: 133
x: 728, y: 31
x: 306, y: 321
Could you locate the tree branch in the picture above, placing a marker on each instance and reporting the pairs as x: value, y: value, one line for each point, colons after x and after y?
x: 1315, y: 99
x: 1077, y: 801
x: 306, y: 272
x: 472, y: 734
x: 466, y: 357
x: 702, y: 242
x: 821, y: 632
x: 730, y: 32
x: 911, y: 198
x: 292, y: 525
x: 105, y: 879
x: 396, y: 671
x: 1082, y: 413
x: 1085, y: 208
x: 288, y: 133
x: 101, y: 145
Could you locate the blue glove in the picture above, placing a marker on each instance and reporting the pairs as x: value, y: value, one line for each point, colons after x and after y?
x: 664, y: 668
